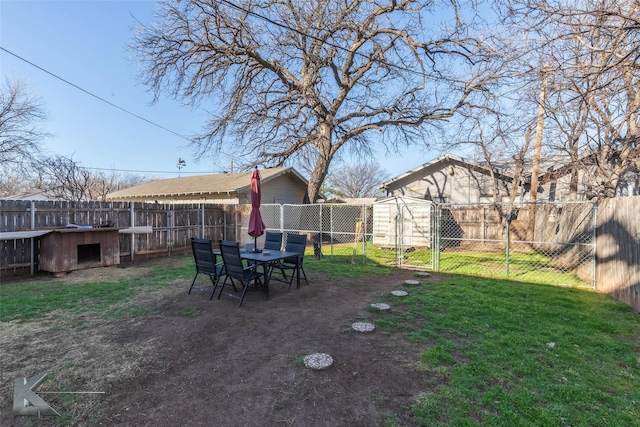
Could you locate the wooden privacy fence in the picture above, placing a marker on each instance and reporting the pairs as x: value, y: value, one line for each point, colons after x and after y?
x: 618, y: 249
x: 172, y: 225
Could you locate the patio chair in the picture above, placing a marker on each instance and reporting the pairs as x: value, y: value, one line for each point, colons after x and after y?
x: 295, y: 243
x: 205, y: 262
x: 248, y: 276
x: 273, y: 241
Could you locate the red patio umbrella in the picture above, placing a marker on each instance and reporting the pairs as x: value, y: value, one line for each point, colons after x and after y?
x: 256, y: 226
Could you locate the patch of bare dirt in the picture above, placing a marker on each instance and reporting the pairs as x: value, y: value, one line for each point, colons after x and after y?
x: 192, y: 361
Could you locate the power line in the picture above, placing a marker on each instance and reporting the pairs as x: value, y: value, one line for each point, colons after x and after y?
x: 143, y: 171
x: 94, y: 95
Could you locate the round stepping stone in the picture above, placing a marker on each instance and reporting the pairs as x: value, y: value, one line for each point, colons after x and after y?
x: 423, y: 274
x: 399, y: 293
x: 381, y: 306
x: 411, y: 282
x: 363, y: 326
x: 318, y: 361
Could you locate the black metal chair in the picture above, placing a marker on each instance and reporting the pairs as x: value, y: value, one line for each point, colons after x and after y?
x: 248, y: 276
x: 205, y: 262
x: 273, y: 241
x: 295, y: 243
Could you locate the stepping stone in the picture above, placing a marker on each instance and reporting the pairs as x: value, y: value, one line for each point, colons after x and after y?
x: 411, y: 282
x: 318, y: 361
x: 399, y: 293
x: 381, y: 306
x: 363, y: 326
x: 423, y: 274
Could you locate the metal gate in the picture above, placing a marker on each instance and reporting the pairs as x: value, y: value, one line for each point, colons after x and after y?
x: 406, y: 227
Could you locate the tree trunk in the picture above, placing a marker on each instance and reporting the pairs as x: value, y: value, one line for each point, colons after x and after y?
x: 325, y: 155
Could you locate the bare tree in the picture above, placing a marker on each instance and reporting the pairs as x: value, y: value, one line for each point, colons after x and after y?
x: 66, y: 179
x: 357, y: 180
x: 593, y: 52
x: 305, y: 78
x: 16, y: 180
x: 20, y: 117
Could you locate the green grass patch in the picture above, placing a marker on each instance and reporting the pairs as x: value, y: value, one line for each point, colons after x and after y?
x: 508, y: 353
x: 523, y: 266
x: 340, y: 266
x: 33, y: 299
x: 529, y: 267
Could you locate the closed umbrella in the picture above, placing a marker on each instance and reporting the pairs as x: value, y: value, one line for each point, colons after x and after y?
x: 256, y: 226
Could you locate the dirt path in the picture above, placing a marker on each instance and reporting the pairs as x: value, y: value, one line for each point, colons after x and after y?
x: 196, y: 362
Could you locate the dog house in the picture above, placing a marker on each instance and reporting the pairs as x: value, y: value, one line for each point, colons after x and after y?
x: 71, y: 249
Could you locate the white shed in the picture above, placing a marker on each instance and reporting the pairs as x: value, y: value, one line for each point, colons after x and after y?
x: 403, y: 221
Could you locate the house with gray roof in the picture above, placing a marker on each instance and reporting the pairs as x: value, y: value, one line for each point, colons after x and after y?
x: 450, y: 179
x: 454, y: 179
x: 278, y: 185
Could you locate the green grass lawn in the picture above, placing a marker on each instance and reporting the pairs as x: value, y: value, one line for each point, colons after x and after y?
x: 497, y: 352
x: 503, y: 353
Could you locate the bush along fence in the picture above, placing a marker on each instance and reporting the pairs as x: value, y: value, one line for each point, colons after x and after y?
x: 555, y: 243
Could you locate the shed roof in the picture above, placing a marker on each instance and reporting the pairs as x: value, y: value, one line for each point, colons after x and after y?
x: 19, y: 235
x: 202, y: 185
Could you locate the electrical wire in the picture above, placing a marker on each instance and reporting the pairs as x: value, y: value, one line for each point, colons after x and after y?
x: 143, y: 171
x: 94, y: 95
x: 228, y: 3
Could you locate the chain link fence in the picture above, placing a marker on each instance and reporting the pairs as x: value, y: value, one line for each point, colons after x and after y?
x: 540, y: 243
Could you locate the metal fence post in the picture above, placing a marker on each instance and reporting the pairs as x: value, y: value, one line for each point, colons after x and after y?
x: 330, y: 227
x: 32, y: 251
x: 320, y: 234
x: 364, y: 233
x: 594, y: 215
x: 282, y: 218
x: 438, y: 237
x: 508, y: 243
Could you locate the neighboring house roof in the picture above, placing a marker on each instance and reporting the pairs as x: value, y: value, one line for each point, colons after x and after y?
x: 359, y: 200
x: 202, y: 185
x: 349, y: 200
x: 504, y: 169
x: 501, y: 169
x: 37, y: 196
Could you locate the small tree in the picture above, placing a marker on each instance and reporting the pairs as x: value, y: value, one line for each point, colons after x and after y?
x: 66, y: 179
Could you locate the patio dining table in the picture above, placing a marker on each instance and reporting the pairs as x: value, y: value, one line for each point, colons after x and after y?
x: 265, y: 259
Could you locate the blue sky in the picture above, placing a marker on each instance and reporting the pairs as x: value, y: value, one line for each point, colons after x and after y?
x: 85, y: 43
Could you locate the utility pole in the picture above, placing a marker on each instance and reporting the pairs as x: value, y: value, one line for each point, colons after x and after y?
x: 535, y: 168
